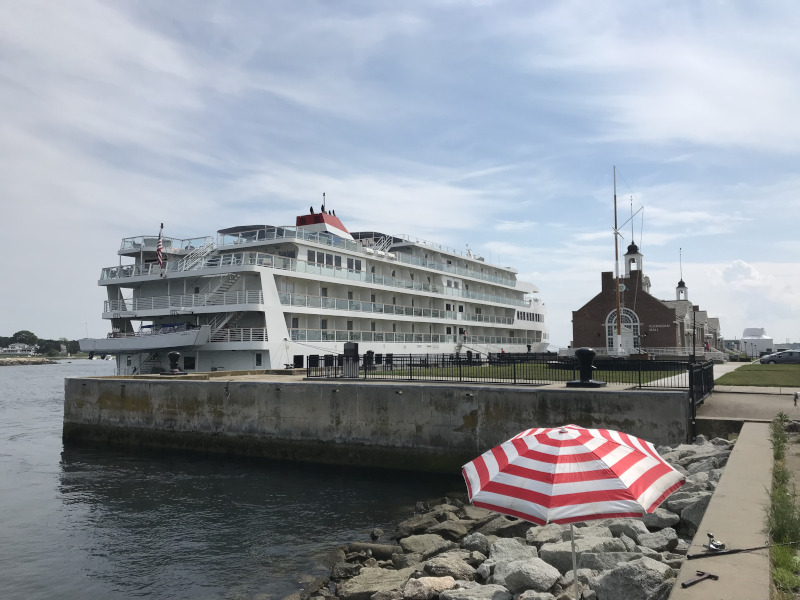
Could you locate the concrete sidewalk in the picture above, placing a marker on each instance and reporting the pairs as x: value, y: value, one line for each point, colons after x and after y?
x: 735, y: 516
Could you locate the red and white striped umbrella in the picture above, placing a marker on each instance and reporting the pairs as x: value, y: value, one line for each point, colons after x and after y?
x: 570, y: 474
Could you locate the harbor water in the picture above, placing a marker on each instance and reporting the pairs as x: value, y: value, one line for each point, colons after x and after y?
x: 95, y: 522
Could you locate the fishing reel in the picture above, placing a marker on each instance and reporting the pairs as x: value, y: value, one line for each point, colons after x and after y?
x: 714, y: 545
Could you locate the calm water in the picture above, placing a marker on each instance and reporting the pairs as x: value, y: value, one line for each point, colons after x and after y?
x: 96, y: 523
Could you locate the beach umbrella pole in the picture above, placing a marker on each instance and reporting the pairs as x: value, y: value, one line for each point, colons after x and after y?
x: 574, y: 561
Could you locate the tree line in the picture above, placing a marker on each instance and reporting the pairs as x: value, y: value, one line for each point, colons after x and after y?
x: 46, y: 347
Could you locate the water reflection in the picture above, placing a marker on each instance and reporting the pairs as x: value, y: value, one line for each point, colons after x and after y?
x: 174, y: 525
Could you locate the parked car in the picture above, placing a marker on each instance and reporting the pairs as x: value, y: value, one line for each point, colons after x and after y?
x: 782, y: 357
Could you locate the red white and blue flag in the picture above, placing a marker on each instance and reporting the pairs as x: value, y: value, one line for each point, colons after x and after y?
x: 160, y: 248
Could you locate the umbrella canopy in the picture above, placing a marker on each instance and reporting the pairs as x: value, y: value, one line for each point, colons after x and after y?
x: 570, y: 474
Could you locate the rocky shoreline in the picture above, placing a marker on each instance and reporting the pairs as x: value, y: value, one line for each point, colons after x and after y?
x: 25, y: 360
x: 455, y: 551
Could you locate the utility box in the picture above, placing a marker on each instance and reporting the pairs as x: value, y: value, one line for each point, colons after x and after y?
x: 350, y: 366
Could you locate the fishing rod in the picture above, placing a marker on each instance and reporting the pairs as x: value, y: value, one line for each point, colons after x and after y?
x: 717, y: 548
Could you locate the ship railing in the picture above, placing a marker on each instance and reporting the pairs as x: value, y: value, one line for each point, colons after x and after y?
x: 234, y: 259
x: 150, y: 242
x: 324, y: 302
x: 147, y: 330
x: 240, y: 334
x: 184, y: 301
x: 383, y: 244
x: 339, y: 335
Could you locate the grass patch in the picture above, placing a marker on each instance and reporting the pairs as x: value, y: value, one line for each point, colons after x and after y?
x: 783, y: 517
x: 763, y: 376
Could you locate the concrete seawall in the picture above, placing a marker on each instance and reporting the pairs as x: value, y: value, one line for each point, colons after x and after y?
x: 426, y: 427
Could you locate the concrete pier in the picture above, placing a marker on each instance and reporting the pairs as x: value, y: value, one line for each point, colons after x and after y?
x: 425, y: 427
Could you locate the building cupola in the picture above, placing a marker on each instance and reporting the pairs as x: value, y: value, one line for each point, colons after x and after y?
x: 681, y: 292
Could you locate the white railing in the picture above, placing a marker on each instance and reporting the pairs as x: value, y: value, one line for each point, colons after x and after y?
x: 325, y: 302
x: 149, y: 243
x: 259, y: 259
x: 383, y: 244
x: 247, y: 334
x: 338, y: 335
x: 145, y: 331
x: 184, y: 301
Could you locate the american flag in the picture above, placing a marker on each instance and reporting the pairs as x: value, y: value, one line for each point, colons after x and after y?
x: 160, y: 248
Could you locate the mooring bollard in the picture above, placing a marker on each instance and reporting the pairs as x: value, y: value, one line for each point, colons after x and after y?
x: 585, y: 358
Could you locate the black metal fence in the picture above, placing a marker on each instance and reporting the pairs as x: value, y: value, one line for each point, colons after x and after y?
x: 507, y: 368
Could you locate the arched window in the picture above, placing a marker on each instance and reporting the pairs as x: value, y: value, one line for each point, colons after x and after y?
x: 630, y: 327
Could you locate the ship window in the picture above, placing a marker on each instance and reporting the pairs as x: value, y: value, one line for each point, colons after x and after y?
x: 295, y: 323
x: 323, y: 323
x: 372, y: 326
x: 312, y: 256
x: 460, y: 308
x: 449, y: 283
x: 456, y: 284
x: 349, y: 326
x: 258, y: 359
x: 394, y: 300
x: 329, y: 260
x: 478, y: 311
x: 349, y: 295
x: 372, y: 270
x: 358, y: 265
x: 449, y: 331
x: 323, y: 291
x: 412, y: 277
x: 197, y: 289
x: 337, y: 261
x: 392, y: 272
x: 188, y: 363
x: 448, y: 307
x: 372, y: 298
x: 394, y: 327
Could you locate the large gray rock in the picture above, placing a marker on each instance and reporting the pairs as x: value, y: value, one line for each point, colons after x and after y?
x: 452, y: 563
x: 603, y: 561
x: 476, y: 542
x: 660, y: 541
x: 379, y: 551
x: 630, y: 527
x: 531, y: 595
x: 427, y: 588
x: 449, y: 530
x: 505, y: 527
x: 402, y: 561
x: 371, y: 581
x: 481, y: 592
x: 560, y: 554
x: 426, y: 544
x: 345, y: 570
x: 505, y: 550
x: 545, y: 534
x: 530, y: 574
x: 592, y: 531
x: 678, y: 501
x: 635, y: 580
x: 703, y: 466
x: 415, y: 525
x: 692, y: 515
x: 660, y: 518
x: 630, y: 545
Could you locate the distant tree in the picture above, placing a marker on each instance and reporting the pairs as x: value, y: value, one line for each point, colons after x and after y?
x: 5, y: 342
x: 49, y: 347
x: 73, y: 347
x: 24, y: 337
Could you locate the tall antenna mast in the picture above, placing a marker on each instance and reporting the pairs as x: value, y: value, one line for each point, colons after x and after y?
x: 632, y: 240
x: 618, y: 341
x: 680, y: 261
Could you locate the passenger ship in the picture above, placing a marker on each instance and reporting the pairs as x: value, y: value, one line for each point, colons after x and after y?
x: 268, y: 297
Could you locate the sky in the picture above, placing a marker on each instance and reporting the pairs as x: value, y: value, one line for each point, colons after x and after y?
x: 493, y: 125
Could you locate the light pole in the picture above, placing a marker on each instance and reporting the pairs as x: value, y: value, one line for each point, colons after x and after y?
x: 694, y: 330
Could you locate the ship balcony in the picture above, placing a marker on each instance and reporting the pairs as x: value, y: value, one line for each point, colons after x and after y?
x: 197, y: 303
x: 230, y: 261
x: 148, y: 339
x: 148, y: 243
x: 338, y: 335
x: 375, y: 308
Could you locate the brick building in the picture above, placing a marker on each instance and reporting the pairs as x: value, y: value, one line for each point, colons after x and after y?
x: 647, y: 322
